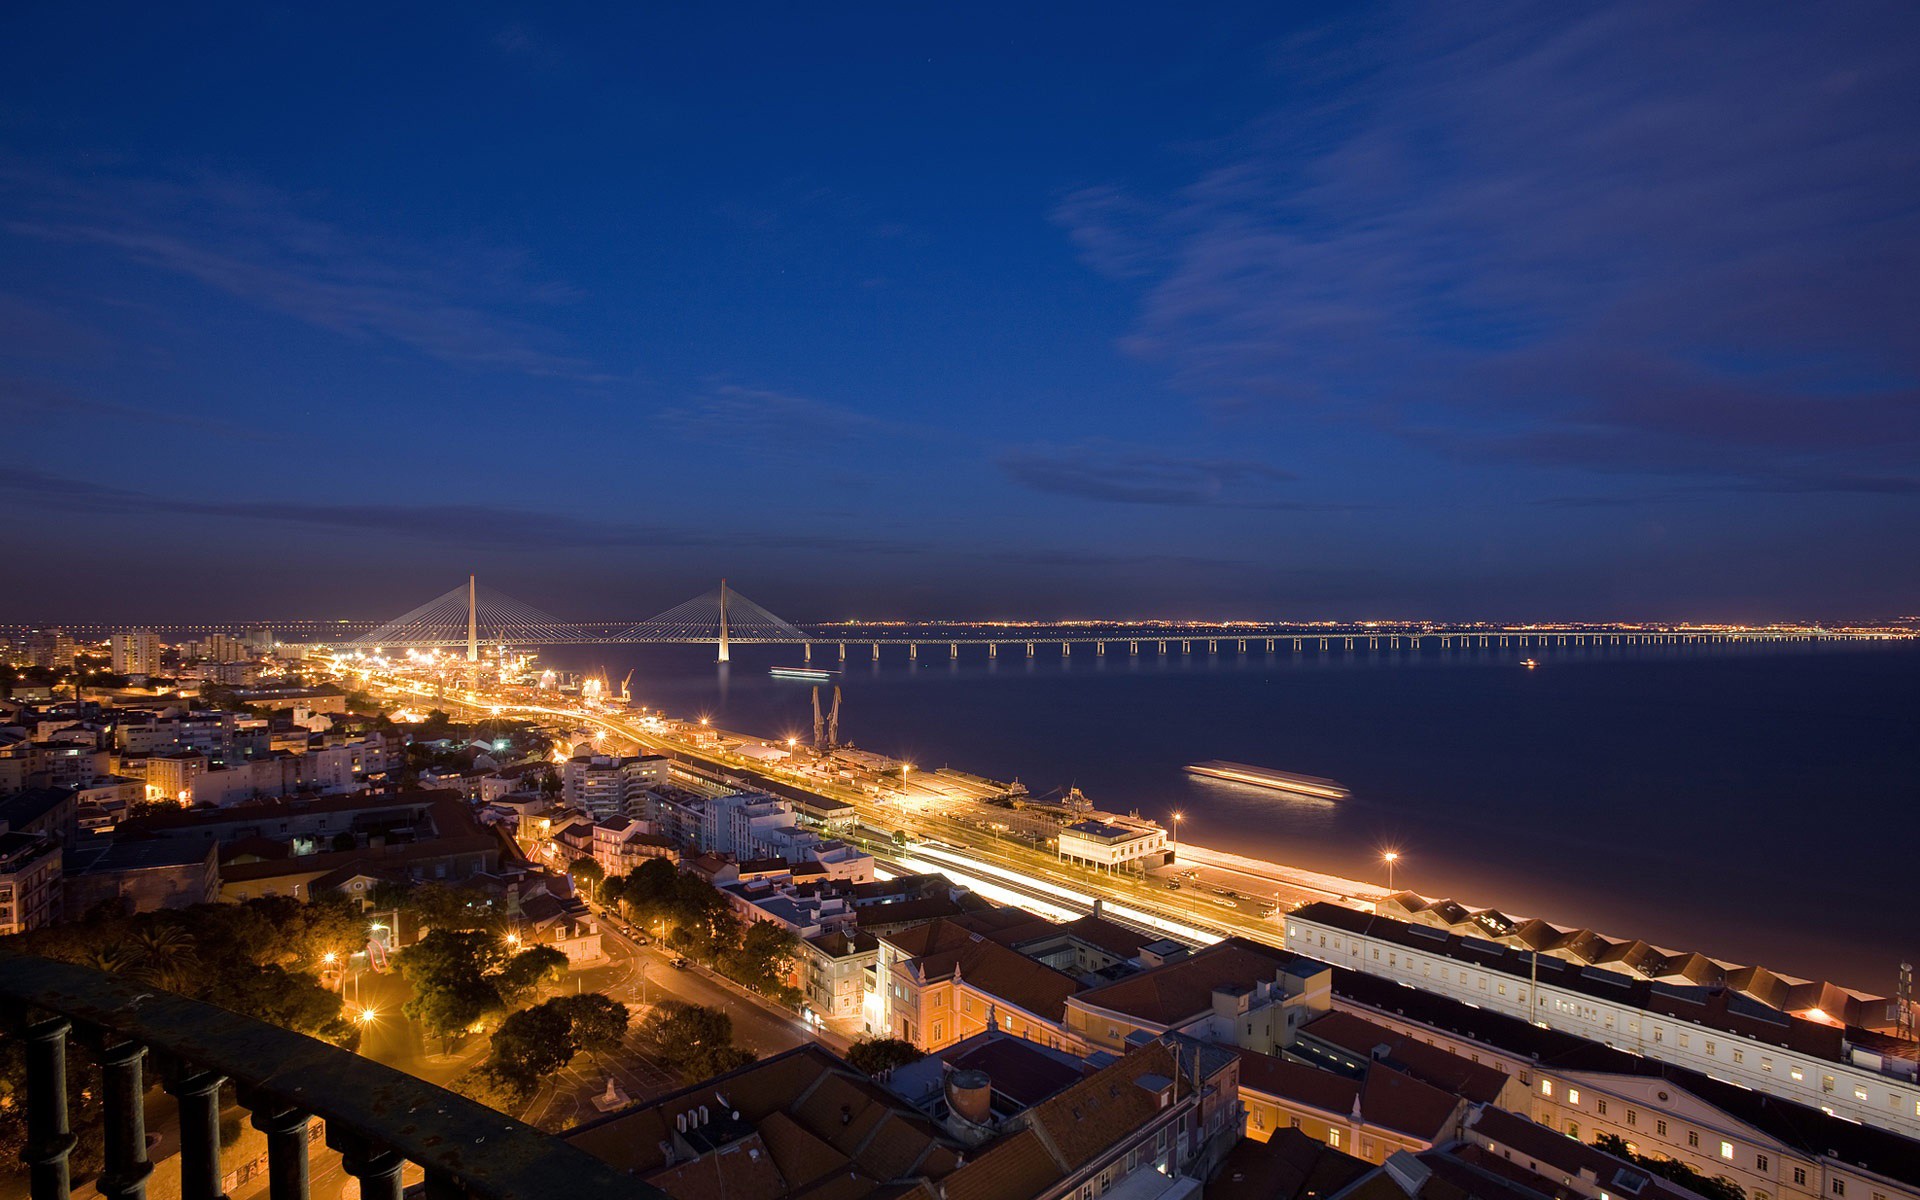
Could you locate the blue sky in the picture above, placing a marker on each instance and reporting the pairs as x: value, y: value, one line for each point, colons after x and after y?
x: 1239, y: 310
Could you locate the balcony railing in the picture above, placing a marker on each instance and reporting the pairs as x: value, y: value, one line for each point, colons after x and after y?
x: 377, y: 1118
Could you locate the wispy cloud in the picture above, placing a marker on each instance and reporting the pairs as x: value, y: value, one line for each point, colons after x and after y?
x: 776, y: 423
x: 1627, y: 238
x: 458, y: 524
x: 1128, y: 475
x: 461, y: 304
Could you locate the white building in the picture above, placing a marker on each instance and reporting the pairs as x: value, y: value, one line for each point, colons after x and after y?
x: 1114, y: 843
x: 1715, y: 1031
x: 610, y: 785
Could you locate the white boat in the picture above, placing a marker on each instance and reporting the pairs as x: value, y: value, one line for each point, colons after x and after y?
x: 1280, y: 781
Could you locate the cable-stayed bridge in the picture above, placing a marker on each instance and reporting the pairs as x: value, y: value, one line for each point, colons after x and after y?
x: 472, y: 615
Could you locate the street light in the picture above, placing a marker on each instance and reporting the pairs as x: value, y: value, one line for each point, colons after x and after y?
x: 1177, y: 818
x: 1390, y: 857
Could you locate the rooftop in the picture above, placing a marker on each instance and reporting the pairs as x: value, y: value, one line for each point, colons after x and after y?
x: 1172, y: 994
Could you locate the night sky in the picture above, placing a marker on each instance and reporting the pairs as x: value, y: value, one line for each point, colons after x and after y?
x: 1455, y: 311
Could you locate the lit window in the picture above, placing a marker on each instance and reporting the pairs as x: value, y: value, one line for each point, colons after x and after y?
x: 1546, y: 1087
x: 1796, y: 1074
x: 1726, y: 1151
x: 1859, y: 1092
x: 1573, y: 1095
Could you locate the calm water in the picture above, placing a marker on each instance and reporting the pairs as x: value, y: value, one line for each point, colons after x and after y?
x: 1756, y: 804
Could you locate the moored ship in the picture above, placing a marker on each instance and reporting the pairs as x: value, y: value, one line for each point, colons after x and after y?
x: 1308, y: 786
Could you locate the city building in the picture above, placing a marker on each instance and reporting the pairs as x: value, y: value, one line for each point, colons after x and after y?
x: 1370, y: 1117
x: 946, y: 980
x: 135, y: 652
x: 1115, y: 843
x: 837, y: 974
x: 30, y: 895
x: 140, y: 874
x: 610, y: 785
x: 1235, y: 993
x: 1773, y: 1149
x: 1714, y: 1030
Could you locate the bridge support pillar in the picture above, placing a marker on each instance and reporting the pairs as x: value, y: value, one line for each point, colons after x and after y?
x: 843, y: 652
x: 806, y: 651
x: 1099, y: 649
x: 1133, y: 648
x: 953, y: 649
x: 1163, y: 647
x: 1066, y: 649
x: 1029, y: 649
x: 1269, y: 645
x: 913, y: 650
x: 1243, y: 645
x: 1213, y: 646
x: 876, y: 652
x: 197, y: 1098
x: 993, y: 649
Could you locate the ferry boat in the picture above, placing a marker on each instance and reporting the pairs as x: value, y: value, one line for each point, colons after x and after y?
x: 1308, y: 786
x: 810, y: 674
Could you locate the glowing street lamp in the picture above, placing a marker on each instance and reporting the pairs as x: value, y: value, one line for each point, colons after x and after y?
x: 367, y: 1016
x: 1178, y: 817
x: 1390, y: 857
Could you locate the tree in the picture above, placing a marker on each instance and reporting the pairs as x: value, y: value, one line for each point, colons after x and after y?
x: 874, y: 1055
x: 694, y: 1042
x: 760, y: 960
x: 535, y: 1042
x: 527, y: 970
x: 504, y: 1090
x: 1717, y: 1187
x: 599, y: 1022
x: 587, y: 873
x: 449, y: 972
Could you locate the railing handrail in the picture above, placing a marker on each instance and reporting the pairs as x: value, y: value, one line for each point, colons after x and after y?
x: 487, y: 1153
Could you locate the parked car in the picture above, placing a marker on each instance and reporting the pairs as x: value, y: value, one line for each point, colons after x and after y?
x: 678, y: 963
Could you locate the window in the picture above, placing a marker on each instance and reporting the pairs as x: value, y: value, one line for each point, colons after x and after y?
x: 1683, y: 1039
x: 1739, y: 1056
x: 1839, y: 1187
x: 1766, y: 1064
x: 1573, y: 1095
x: 1660, y: 1127
x: 1573, y: 1130
x: 1633, y: 1117
x: 1826, y: 1084
x: 1796, y: 1074
x: 1293, y: 1122
x: 1693, y: 1138
x: 1726, y: 1151
x: 1601, y: 1107
x: 1800, y: 1176
x: 1546, y: 1087
x: 1859, y: 1093
x: 1259, y: 1119
x: 1709, y: 1045
x: 1333, y: 1138
x: 939, y: 1030
x: 1762, y: 1163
